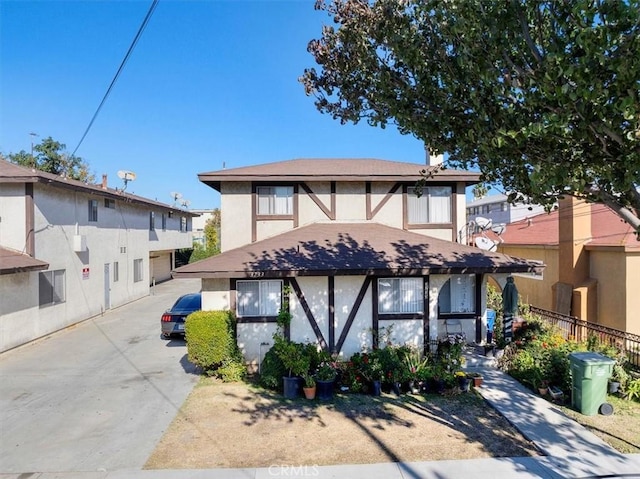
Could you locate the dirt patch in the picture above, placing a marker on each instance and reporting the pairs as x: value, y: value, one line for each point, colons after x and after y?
x: 240, y: 425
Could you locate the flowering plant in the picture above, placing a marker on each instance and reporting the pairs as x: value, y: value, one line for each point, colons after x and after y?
x: 326, y: 371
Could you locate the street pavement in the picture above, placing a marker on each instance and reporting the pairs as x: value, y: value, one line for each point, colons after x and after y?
x: 95, y: 396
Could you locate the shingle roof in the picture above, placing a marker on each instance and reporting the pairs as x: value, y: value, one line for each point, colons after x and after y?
x: 322, y: 249
x: 12, y: 261
x: 12, y: 173
x: 338, y: 169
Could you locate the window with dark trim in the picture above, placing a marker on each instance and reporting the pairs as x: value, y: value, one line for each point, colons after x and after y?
x: 258, y: 297
x: 110, y: 203
x: 164, y: 222
x: 152, y: 221
x: 116, y: 272
x: 457, y: 295
x: 93, y: 210
x: 400, y: 295
x: 138, y: 274
x: 432, y: 207
x: 274, y: 200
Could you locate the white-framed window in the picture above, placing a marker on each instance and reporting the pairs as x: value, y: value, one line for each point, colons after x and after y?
x: 275, y: 200
x: 116, y: 271
x: 138, y: 274
x: 183, y: 224
x: 400, y: 295
x: 152, y: 221
x: 434, y: 206
x: 458, y: 294
x: 258, y: 297
x: 52, y: 287
x: 93, y: 210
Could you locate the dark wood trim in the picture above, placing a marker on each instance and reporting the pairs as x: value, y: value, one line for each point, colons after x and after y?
x: 296, y: 217
x: 405, y: 208
x: 30, y: 240
x: 233, y: 296
x: 400, y: 316
x: 367, y: 201
x: 352, y: 313
x: 329, y: 213
x: 465, y: 316
x: 418, y: 226
x: 478, y: 301
x: 257, y: 319
x: 255, y: 217
x: 334, y: 199
x: 275, y: 217
x: 375, y: 317
x: 307, y: 311
x: 426, y: 332
x: 332, y: 313
x: 430, y: 226
x: 454, y: 214
x: 286, y: 284
x: 254, y: 213
x: 384, y: 200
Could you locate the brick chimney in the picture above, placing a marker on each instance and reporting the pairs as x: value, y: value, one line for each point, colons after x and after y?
x: 104, y: 181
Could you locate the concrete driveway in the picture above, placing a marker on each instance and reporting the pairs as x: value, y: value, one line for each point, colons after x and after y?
x: 97, y: 396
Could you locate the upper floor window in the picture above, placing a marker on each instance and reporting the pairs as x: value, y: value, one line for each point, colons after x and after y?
x: 275, y: 200
x: 400, y: 295
x: 458, y: 294
x: 110, y: 203
x: 93, y: 210
x: 183, y: 224
x: 164, y: 222
x: 152, y: 221
x: 259, y: 297
x: 434, y: 206
x: 51, y: 287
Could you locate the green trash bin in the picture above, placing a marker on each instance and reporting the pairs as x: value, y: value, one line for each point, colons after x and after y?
x: 590, y: 373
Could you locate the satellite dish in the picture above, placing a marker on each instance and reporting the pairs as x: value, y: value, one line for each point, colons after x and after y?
x: 185, y: 203
x: 485, y: 243
x: 483, y: 223
x: 499, y: 228
x: 126, y: 176
x: 175, y: 195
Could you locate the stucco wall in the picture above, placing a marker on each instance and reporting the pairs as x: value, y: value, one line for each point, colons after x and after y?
x: 537, y: 292
x: 350, y: 201
x: 633, y: 297
x: 391, y: 213
x: 235, y: 211
x: 12, y: 216
x: 610, y: 269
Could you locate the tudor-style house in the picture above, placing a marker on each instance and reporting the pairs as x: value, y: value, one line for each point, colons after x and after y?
x: 71, y: 250
x: 354, y: 247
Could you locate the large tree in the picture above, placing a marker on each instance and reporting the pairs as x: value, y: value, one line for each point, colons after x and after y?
x: 50, y: 156
x: 542, y: 96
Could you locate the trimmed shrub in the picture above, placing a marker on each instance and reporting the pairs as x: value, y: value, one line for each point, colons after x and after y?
x: 271, y: 370
x: 211, y: 343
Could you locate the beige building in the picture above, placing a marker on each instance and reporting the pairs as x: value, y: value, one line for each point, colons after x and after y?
x: 593, y: 263
x: 356, y: 246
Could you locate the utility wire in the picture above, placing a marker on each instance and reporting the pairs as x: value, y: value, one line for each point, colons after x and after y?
x: 122, y: 64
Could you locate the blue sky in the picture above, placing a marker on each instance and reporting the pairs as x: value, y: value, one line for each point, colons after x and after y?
x: 210, y: 82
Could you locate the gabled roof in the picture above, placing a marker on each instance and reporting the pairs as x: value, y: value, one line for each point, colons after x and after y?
x: 335, y: 169
x: 334, y: 248
x: 12, y: 261
x: 607, y: 229
x: 12, y: 173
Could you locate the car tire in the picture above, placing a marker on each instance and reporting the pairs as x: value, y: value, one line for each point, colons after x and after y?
x: 166, y: 337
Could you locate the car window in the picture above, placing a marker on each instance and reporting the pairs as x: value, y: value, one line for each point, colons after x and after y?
x: 188, y: 302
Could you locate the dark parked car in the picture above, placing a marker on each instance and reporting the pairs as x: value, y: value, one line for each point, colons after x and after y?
x: 172, y: 321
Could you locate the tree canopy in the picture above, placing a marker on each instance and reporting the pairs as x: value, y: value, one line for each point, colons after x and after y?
x: 50, y: 156
x: 542, y: 96
x: 211, y: 244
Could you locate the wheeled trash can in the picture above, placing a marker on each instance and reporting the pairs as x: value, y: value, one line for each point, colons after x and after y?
x: 590, y: 373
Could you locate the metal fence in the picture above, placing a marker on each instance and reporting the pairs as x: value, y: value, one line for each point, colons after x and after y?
x: 574, y: 328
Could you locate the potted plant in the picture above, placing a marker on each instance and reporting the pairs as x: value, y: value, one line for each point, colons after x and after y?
x: 325, y: 377
x: 476, y: 379
x: 413, y: 366
x: 309, y: 387
x: 295, y: 361
x: 464, y: 382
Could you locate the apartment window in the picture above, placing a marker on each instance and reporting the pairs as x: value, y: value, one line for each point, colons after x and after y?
x: 458, y: 294
x: 275, y: 200
x: 434, y: 206
x: 259, y: 298
x: 400, y: 295
x: 109, y: 203
x: 183, y: 224
x: 164, y: 222
x: 93, y: 210
x: 116, y: 271
x: 52, y: 287
x: 152, y: 221
x: 123, y: 249
x: 137, y: 270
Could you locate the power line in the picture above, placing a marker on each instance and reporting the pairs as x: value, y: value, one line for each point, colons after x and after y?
x: 122, y: 64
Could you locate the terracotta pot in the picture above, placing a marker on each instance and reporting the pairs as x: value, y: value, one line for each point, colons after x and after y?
x: 310, y: 393
x: 543, y: 391
x: 477, y: 381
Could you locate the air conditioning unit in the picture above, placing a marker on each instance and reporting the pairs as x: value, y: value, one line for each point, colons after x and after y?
x: 79, y: 243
